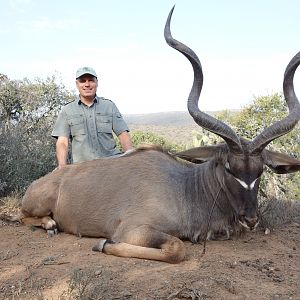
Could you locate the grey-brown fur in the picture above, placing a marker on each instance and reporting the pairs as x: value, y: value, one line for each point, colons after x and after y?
x: 148, y: 187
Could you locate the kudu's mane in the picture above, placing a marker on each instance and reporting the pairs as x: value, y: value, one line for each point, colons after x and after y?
x: 149, y: 147
x: 220, y: 154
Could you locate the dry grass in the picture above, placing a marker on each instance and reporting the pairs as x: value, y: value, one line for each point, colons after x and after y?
x: 10, y: 208
x: 276, y: 212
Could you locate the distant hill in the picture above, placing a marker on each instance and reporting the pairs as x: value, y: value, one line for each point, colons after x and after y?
x: 164, y: 118
x: 176, y: 126
x: 177, y: 118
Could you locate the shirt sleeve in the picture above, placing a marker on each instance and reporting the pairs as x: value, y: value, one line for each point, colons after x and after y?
x: 61, y: 126
x: 119, y: 125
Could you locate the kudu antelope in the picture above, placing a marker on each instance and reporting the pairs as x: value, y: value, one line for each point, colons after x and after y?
x: 145, y: 203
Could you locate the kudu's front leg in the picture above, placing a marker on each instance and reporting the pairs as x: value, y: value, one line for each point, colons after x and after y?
x: 45, y: 222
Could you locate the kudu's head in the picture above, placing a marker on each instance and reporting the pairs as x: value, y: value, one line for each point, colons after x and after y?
x: 240, y: 162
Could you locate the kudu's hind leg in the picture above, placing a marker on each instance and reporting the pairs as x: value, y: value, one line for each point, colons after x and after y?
x: 37, y: 214
x: 36, y: 210
x: 147, y: 243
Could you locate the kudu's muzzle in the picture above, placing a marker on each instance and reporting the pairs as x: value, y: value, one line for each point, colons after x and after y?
x: 249, y: 222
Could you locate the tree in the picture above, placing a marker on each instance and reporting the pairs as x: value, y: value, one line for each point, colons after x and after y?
x: 27, y: 113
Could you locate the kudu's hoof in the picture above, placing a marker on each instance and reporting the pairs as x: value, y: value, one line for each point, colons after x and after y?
x: 99, y: 246
x: 52, y: 232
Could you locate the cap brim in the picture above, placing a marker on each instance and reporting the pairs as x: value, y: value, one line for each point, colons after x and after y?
x: 86, y: 73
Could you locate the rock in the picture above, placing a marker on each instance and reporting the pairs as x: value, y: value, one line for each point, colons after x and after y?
x: 278, y: 279
x: 233, y: 265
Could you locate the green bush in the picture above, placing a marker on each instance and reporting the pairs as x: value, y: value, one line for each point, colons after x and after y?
x: 140, y: 137
x: 27, y: 112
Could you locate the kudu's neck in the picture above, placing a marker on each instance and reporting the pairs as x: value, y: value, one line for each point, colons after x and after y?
x: 210, y: 201
x: 206, y: 182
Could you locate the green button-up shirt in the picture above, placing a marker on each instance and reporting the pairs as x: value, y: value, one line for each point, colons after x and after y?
x: 90, y: 128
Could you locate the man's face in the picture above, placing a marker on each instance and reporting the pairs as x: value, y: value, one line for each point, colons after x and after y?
x: 87, y: 86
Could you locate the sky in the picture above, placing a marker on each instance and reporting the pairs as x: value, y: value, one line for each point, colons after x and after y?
x: 244, y: 47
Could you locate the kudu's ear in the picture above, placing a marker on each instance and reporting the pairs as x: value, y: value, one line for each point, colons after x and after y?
x: 199, y: 155
x: 281, y: 163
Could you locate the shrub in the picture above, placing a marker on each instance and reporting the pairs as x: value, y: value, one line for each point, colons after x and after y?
x: 140, y: 137
x: 27, y: 113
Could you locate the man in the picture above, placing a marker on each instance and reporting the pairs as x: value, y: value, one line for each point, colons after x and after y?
x: 89, y: 123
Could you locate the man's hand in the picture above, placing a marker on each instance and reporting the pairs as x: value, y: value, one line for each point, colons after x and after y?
x: 125, y: 141
x: 59, y: 167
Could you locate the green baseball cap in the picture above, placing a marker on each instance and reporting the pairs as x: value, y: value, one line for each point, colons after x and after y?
x: 85, y: 70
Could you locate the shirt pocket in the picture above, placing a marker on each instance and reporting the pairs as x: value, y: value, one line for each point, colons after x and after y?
x: 104, y: 123
x: 77, y: 127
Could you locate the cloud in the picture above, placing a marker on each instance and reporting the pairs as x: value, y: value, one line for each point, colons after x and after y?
x: 19, y: 5
x: 46, y: 24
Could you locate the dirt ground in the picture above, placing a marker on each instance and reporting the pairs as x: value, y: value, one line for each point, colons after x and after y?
x: 255, y: 266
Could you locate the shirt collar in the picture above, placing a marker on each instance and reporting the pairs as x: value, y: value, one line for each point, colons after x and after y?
x: 96, y: 99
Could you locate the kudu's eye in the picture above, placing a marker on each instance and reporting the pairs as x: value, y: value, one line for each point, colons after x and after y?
x: 228, y: 170
x: 227, y: 167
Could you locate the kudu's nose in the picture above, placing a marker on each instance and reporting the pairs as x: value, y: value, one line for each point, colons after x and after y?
x: 251, y: 222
